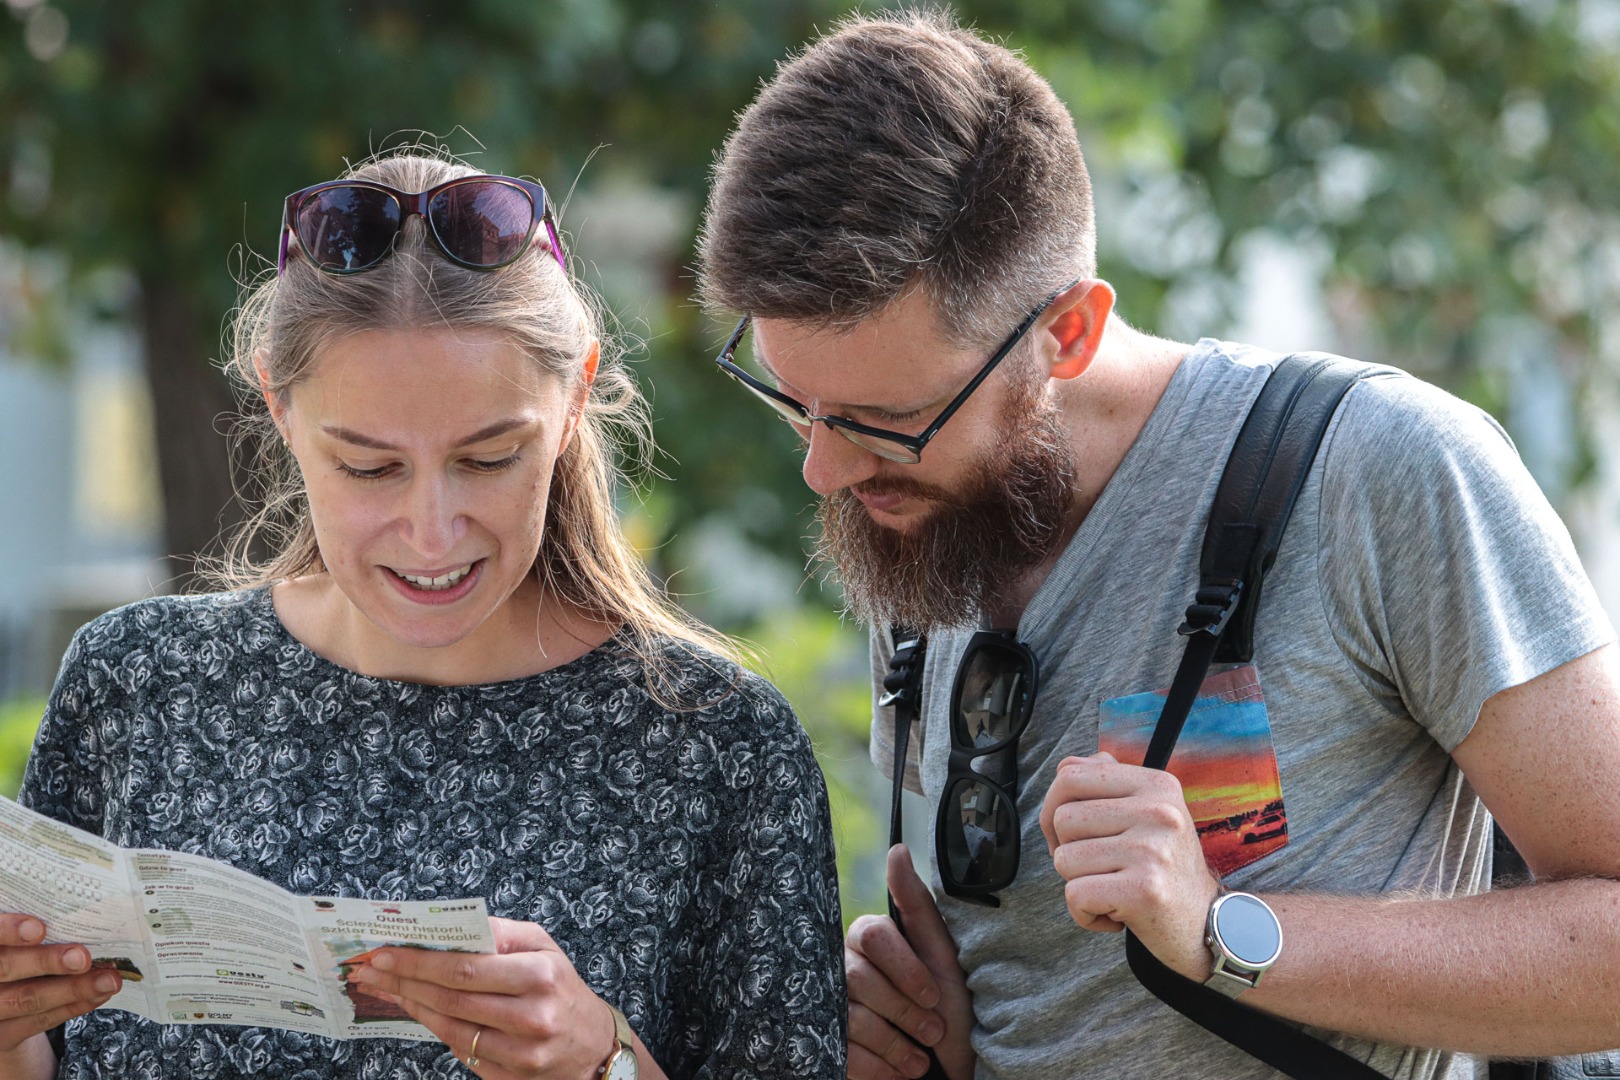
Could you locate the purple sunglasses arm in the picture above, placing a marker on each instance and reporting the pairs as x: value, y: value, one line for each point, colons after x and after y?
x: 281, y: 257
x: 556, y: 244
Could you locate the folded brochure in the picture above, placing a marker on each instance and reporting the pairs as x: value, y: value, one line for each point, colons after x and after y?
x: 202, y: 942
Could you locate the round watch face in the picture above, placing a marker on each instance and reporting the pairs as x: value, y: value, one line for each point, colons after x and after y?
x: 1248, y: 930
x: 622, y: 1066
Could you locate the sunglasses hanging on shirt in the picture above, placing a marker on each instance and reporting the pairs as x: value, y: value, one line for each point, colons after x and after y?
x: 479, y: 222
x: 976, y: 835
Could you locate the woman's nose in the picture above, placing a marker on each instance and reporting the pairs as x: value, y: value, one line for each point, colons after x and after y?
x: 434, y: 523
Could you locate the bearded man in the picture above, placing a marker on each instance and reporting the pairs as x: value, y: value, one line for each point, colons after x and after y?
x: 903, y: 218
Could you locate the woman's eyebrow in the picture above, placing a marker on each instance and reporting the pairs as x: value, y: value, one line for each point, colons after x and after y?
x: 488, y: 431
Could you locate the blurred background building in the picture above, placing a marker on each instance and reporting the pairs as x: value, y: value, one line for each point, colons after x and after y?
x: 1422, y: 182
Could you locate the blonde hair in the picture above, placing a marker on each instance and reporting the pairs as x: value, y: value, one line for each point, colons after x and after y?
x: 285, y: 323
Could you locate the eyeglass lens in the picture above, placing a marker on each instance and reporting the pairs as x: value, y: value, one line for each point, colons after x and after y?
x: 994, y: 700
x: 482, y: 224
x: 981, y: 814
x: 348, y: 228
x: 884, y: 448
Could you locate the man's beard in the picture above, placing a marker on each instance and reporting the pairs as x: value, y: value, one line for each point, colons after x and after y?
x: 1008, y: 517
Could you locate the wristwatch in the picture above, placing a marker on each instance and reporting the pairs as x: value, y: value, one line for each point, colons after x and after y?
x: 621, y: 1064
x: 1245, y: 939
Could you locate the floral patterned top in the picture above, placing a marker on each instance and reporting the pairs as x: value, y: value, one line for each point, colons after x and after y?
x: 683, y: 859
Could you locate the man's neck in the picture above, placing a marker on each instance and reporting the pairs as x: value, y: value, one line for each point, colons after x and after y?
x: 1104, y: 411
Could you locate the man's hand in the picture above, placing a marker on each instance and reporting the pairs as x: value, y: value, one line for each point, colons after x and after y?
x: 1122, y: 838
x: 900, y: 988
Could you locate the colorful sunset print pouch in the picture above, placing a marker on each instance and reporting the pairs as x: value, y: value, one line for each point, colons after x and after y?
x: 1224, y: 759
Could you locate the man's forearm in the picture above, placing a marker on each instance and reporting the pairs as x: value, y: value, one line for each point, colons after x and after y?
x: 1527, y: 972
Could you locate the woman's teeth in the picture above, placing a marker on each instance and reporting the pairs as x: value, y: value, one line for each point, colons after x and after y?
x: 436, y: 584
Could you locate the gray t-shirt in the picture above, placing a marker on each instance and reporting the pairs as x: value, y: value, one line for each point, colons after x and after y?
x: 1421, y: 573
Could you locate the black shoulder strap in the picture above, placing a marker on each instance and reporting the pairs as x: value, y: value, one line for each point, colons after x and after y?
x: 902, y: 688
x: 1264, y: 474
x: 1263, y: 478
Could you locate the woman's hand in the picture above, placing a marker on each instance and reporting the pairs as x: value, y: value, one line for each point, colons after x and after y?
x: 532, y: 1013
x: 42, y: 986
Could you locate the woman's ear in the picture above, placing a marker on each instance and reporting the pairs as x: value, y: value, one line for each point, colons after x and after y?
x: 274, y: 402
x: 581, y: 394
x: 1082, y: 313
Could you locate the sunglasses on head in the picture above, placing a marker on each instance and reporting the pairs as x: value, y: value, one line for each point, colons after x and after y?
x: 480, y: 222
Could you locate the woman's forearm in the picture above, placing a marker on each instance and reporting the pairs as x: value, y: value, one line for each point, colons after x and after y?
x: 33, y: 1060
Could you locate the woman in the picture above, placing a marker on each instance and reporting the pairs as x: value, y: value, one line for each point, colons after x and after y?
x: 452, y: 679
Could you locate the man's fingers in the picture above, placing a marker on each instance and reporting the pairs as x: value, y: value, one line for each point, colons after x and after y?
x: 875, y: 950
x: 1088, y: 858
x: 925, y: 928
x: 875, y: 1034
x: 1098, y: 777
x: 1096, y: 902
x: 870, y: 989
x: 865, y: 1065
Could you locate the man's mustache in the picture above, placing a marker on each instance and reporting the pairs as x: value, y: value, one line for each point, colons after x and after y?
x: 914, y: 489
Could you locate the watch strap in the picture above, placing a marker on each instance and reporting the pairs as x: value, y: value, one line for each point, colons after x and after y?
x: 621, y: 1029
x: 624, y: 1046
x: 1227, y: 981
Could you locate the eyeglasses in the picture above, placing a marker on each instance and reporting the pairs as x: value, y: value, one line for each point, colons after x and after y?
x: 892, y: 445
x: 480, y: 222
x: 976, y: 837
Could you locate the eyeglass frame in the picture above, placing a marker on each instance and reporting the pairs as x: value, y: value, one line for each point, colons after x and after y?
x: 960, y: 767
x: 417, y: 203
x: 848, y: 428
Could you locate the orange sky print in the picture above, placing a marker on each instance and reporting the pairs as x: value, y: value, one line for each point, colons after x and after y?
x: 1224, y: 760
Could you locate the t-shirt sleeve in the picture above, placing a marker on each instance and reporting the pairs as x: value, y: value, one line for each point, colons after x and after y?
x: 1446, y: 574
x: 773, y: 971
x: 63, y: 777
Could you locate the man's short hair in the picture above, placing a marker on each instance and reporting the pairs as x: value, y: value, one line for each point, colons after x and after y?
x: 899, y: 152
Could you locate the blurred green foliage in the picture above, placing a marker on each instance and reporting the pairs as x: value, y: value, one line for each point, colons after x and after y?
x: 820, y: 664
x: 1450, y: 163
x: 1451, y: 160
x: 19, y: 719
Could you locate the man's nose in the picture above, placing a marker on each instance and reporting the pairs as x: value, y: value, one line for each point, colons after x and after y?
x: 832, y: 462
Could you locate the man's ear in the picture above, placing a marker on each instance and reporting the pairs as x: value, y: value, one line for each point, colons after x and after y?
x: 272, y: 401
x: 1082, y: 312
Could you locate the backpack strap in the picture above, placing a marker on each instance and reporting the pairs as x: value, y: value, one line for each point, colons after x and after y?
x: 1264, y: 475
x: 902, y: 688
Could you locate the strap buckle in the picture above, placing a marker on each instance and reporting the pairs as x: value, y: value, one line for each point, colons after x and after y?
x: 902, y: 677
x: 1212, y: 610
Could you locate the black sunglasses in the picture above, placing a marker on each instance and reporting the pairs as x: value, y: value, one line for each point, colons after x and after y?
x: 976, y: 836
x: 480, y: 222
x: 892, y: 445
